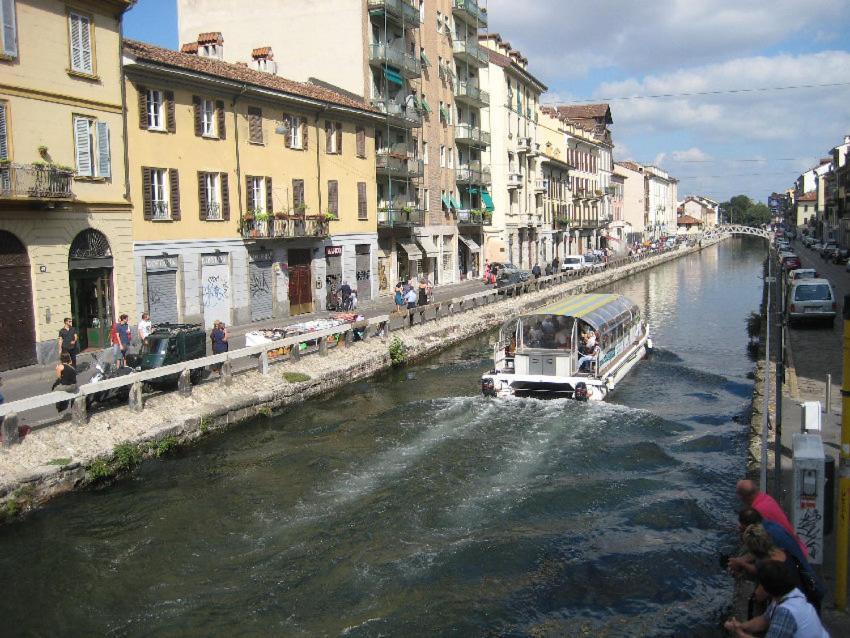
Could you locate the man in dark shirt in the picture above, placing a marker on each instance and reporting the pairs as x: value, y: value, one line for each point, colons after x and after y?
x: 345, y: 291
x: 536, y: 271
x: 69, y: 340
x: 123, y: 336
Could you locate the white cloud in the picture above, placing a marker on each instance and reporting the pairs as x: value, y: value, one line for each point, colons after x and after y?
x: 693, y: 154
x: 659, y: 159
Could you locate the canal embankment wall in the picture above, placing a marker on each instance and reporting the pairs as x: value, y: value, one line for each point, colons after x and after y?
x: 65, y: 456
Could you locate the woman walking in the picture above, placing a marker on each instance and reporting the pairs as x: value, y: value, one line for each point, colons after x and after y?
x: 219, y: 337
x: 423, y: 292
x: 399, y: 298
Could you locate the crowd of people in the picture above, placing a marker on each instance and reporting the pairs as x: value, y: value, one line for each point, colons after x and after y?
x: 787, y: 599
x: 412, y: 293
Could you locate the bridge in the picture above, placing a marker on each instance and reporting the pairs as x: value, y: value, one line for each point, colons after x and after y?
x: 738, y: 229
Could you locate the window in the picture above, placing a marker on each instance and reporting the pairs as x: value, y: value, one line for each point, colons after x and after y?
x: 361, y: 142
x: 451, y: 157
x: 333, y: 197
x: 208, y: 119
x: 160, y: 194
x: 9, y: 31
x: 424, y: 152
x: 442, y: 156
x: 213, y: 196
x: 255, y: 192
x: 333, y: 137
x: 298, y: 196
x: 362, y: 210
x: 156, y: 110
x: 439, y: 21
x: 425, y: 202
x: 80, y: 38
x: 4, y: 132
x: 91, y: 144
x: 255, y: 125
x: 294, y: 132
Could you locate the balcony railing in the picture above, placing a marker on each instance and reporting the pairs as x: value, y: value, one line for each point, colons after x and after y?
x: 466, y: 133
x: 407, y: 64
x: 541, y: 185
x: 514, y: 180
x: 470, y: 51
x: 388, y: 163
x: 33, y: 182
x: 401, y: 10
x: 399, y: 213
x: 471, y: 93
x: 287, y: 227
x: 159, y: 210
x: 474, y: 217
x: 399, y: 114
x: 469, y: 10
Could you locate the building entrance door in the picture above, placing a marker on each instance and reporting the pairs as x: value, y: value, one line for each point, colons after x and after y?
x: 300, y: 282
x: 90, y: 282
x: 17, y: 319
x: 364, y: 271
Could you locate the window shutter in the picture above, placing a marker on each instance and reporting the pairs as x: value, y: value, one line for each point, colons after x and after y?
x: 76, y: 44
x: 287, y: 130
x: 304, y: 129
x: 333, y: 196
x: 297, y: 192
x: 361, y: 142
x: 249, y: 193
x: 82, y: 143
x: 143, y: 106
x: 225, y: 197
x: 147, y: 207
x: 328, y: 134
x: 338, y: 137
x: 10, y: 29
x: 269, y: 195
x: 255, y: 125
x: 199, y: 118
x: 202, y: 196
x: 170, y: 124
x: 174, y: 187
x: 85, y: 45
x: 4, y: 134
x: 222, y: 128
x: 104, y: 157
x: 362, y: 212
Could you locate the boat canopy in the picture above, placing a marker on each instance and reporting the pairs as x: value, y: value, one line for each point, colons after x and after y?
x: 598, y: 310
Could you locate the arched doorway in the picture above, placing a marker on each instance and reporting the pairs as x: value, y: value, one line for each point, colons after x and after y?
x: 17, y: 318
x: 90, y: 279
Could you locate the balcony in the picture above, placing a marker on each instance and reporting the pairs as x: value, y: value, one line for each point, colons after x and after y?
x: 400, y: 10
x: 399, y: 213
x: 398, y: 114
x: 35, y: 182
x: 471, y: 135
x: 385, y: 54
x: 395, y: 165
x: 514, y: 180
x: 469, y: 11
x: 470, y: 94
x: 541, y: 185
x: 286, y: 227
x: 474, y: 217
x: 527, y: 145
x: 469, y: 51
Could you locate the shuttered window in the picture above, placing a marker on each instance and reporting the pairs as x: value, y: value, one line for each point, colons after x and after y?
x: 298, y: 195
x: 4, y: 132
x: 333, y: 137
x: 80, y: 37
x: 155, y: 108
x: 9, y: 33
x: 362, y: 210
x: 333, y: 197
x: 295, y: 132
x: 361, y: 142
x: 174, y: 187
x: 160, y: 194
x: 219, y: 112
x: 255, y: 125
x: 338, y: 128
x: 255, y: 193
x: 92, y: 147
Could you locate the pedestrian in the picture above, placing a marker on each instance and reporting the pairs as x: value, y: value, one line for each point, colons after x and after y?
x: 486, y: 271
x: 66, y: 379
x: 548, y: 269
x: 345, y: 291
x: 115, y: 342
x: 144, y: 329
x: 536, y: 271
x: 423, y: 291
x: 555, y: 264
x: 69, y: 340
x: 789, y: 614
x: 219, y: 337
x: 410, y: 300
x: 769, y: 509
x: 399, y: 297
x: 124, y: 338
x: 352, y: 300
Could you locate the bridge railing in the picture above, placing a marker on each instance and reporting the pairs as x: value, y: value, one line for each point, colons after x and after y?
x: 290, y: 348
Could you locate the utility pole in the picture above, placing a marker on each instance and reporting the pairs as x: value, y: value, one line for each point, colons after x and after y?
x: 780, y: 378
x: 766, y: 420
x: 842, y: 536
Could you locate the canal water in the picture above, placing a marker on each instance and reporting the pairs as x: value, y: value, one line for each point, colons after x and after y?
x: 410, y: 505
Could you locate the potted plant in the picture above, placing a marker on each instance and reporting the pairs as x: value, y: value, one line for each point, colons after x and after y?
x: 300, y: 209
x: 331, y: 217
x: 261, y: 216
x: 280, y: 215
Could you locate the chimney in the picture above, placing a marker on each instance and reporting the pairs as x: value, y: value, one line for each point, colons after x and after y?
x: 264, y: 60
x: 211, y: 45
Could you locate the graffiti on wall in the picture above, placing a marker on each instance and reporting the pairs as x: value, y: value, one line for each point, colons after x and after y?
x: 215, y: 290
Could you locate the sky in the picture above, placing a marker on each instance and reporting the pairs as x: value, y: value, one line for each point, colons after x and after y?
x: 750, y: 134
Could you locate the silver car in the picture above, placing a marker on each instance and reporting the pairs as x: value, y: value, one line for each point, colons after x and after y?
x: 809, y: 299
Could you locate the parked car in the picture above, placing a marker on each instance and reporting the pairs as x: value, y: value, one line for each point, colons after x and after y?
x: 171, y: 343
x: 572, y: 262
x: 592, y: 260
x: 816, y: 246
x: 826, y: 250
x: 839, y: 256
x: 802, y: 273
x: 791, y: 262
x: 808, y: 241
x: 511, y: 276
x: 809, y: 299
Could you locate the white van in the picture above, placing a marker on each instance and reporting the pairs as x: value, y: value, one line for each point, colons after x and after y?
x: 573, y: 262
x: 811, y: 299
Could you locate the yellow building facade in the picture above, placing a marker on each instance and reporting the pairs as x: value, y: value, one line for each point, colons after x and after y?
x: 254, y: 196
x: 65, y: 218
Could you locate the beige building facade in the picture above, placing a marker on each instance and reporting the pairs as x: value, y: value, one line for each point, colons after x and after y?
x: 634, y: 194
x: 253, y: 195
x: 65, y: 219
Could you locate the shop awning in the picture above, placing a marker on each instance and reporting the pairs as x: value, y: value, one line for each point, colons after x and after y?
x: 488, y: 201
x: 412, y: 250
x: 446, y: 201
x: 425, y: 106
x: 472, y: 190
x: 428, y: 247
x: 424, y: 58
x: 393, y: 76
x: 470, y: 243
x: 454, y: 203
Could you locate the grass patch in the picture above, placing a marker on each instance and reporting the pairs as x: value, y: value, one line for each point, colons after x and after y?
x: 98, y: 469
x: 60, y: 462
x: 398, y: 352
x: 265, y: 411
x: 295, y: 377
x: 205, y: 424
x: 127, y: 456
x: 164, y: 446
x: 11, y: 508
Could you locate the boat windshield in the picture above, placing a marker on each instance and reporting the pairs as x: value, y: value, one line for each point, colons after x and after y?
x: 155, y: 345
x: 548, y: 332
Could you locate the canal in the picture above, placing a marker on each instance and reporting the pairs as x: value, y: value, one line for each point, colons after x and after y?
x: 410, y: 505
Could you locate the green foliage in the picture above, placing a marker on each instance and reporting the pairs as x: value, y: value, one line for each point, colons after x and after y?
x: 265, y: 411
x: 60, y: 462
x: 295, y: 377
x: 753, y: 325
x: 11, y: 508
x: 164, y: 446
x: 743, y: 210
x: 205, y: 424
x: 398, y: 352
x: 98, y: 469
x: 127, y: 456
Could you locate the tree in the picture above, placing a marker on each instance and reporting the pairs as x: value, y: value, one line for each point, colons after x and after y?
x: 743, y: 210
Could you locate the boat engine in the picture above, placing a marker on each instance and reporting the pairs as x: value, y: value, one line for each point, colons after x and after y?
x: 580, y: 392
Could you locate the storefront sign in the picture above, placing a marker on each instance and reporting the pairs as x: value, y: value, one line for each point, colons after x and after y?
x: 218, y: 259
x: 161, y: 263
x: 333, y: 251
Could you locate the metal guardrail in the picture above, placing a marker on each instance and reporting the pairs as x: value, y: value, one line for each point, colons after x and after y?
x: 344, y: 335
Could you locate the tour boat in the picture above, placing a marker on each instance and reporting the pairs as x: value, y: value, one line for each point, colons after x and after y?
x: 580, y: 348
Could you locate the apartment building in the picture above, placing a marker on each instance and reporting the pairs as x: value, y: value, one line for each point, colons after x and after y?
x: 516, y: 232
x: 554, y: 183
x: 419, y: 64
x: 253, y: 195
x: 634, y: 216
x: 701, y: 208
x: 65, y: 222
